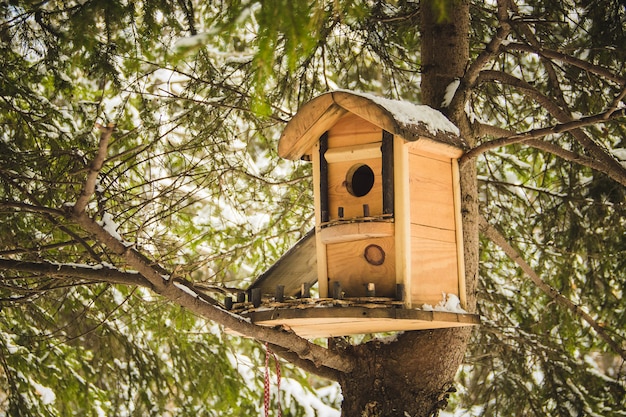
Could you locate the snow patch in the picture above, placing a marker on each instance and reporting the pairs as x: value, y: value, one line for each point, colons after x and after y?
x: 186, y: 289
x: 310, y: 401
x: 46, y: 394
x: 410, y: 114
x: 450, y: 304
x: 450, y: 92
x: 110, y: 226
x: 9, y: 342
x: 620, y: 153
x: 389, y: 339
x: 190, y: 42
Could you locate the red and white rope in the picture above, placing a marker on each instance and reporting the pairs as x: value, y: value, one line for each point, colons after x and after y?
x: 266, y: 384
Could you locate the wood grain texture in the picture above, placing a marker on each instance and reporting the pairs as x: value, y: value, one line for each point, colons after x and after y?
x: 432, y: 198
x: 434, y: 270
x: 354, y: 152
x: 402, y: 216
x: 319, y: 245
x: 460, y: 249
x: 296, y: 267
x: 437, y: 150
x: 347, y: 232
x: 347, y: 264
x: 303, y: 131
x: 338, y: 195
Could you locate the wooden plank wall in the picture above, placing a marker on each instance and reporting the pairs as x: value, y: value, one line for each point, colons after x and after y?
x: 352, y: 130
x: 434, y: 264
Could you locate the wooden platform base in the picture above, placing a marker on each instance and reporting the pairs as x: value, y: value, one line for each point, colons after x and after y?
x: 324, y: 321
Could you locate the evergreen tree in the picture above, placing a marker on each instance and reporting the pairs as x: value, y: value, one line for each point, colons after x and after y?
x: 139, y: 184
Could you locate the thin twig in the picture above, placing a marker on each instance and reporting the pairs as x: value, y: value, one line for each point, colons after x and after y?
x: 491, y: 50
x: 568, y: 59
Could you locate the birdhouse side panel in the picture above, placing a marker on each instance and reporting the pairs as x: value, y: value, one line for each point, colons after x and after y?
x: 357, y: 263
x: 434, y: 270
x: 434, y: 252
x: 432, y: 196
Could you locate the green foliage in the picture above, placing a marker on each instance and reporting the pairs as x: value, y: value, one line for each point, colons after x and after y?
x: 115, y: 351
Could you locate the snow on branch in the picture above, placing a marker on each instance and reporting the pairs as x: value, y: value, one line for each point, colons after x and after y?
x: 497, y: 238
x: 96, y: 273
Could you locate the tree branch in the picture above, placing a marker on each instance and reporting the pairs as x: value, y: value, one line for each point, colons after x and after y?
x: 30, y: 208
x: 496, y: 237
x: 538, y: 133
x: 308, y: 366
x: 491, y: 50
x: 529, y: 90
x: 548, y: 65
x: 96, y: 273
x: 612, y: 168
x: 94, y: 168
x: 51, y: 214
x: 558, y: 56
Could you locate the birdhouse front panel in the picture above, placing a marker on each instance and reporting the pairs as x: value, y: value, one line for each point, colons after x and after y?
x: 352, y: 130
x: 354, y: 168
x: 355, y: 227
x: 355, y: 189
x: 358, y: 263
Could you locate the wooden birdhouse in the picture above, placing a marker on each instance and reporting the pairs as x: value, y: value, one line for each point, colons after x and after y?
x: 387, y: 245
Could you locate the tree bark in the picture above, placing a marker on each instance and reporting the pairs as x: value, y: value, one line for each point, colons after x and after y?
x: 445, y: 48
x: 414, y: 374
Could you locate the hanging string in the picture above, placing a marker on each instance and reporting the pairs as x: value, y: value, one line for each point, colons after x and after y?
x: 266, y: 384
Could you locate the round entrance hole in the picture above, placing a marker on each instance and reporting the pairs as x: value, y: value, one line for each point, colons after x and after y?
x: 359, y: 180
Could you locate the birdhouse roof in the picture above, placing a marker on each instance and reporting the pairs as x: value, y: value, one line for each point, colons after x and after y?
x: 410, y: 121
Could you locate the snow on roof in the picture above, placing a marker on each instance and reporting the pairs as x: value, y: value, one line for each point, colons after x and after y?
x: 410, y: 121
x: 409, y: 113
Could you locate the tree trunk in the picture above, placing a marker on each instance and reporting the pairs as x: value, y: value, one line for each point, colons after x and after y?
x: 413, y: 375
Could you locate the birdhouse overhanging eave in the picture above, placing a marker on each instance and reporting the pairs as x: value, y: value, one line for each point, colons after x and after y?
x: 412, y: 122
